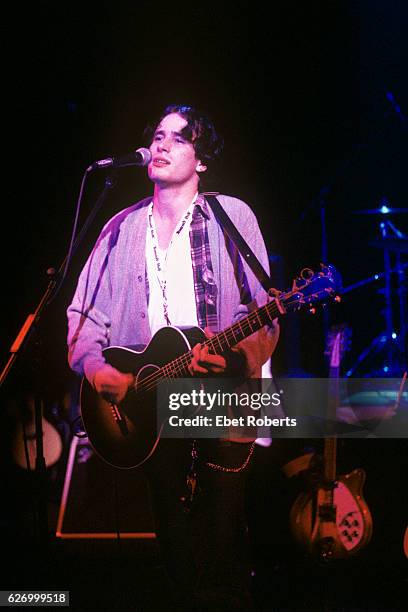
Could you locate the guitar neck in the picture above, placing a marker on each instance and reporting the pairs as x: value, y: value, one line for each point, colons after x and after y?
x: 334, y: 396
x: 330, y: 443
x: 243, y: 328
x: 330, y: 451
x: 307, y: 289
x: 228, y: 338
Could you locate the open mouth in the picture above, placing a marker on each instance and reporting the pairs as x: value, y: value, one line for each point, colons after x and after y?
x: 159, y: 161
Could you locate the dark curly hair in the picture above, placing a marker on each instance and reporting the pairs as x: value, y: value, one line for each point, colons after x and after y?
x: 200, y: 131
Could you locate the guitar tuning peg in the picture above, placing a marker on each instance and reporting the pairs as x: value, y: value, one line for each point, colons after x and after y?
x: 306, y: 274
x: 274, y: 293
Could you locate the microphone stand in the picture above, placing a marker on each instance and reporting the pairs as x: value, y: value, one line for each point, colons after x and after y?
x: 20, y: 344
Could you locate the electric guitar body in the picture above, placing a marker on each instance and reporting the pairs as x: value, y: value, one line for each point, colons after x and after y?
x: 348, y: 531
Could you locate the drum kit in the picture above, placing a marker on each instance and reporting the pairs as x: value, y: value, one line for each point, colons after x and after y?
x: 391, y: 342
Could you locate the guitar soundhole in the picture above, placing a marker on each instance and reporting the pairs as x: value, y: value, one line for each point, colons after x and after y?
x: 144, y: 373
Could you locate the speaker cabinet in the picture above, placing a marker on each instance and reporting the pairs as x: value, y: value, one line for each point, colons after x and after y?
x: 102, y: 502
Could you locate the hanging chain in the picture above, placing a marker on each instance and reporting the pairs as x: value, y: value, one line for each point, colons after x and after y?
x: 221, y: 468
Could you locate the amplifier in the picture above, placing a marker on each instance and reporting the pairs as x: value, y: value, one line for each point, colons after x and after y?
x: 100, y: 501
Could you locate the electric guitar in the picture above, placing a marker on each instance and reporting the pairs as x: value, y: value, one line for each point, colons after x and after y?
x: 334, y: 521
x: 126, y: 435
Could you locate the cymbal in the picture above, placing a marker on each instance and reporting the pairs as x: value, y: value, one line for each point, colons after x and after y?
x: 380, y: 211
x: 399, y: 245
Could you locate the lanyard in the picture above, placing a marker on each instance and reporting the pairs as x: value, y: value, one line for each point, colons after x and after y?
x: 159, y: 267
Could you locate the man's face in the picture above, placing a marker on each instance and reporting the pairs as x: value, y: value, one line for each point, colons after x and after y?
x: 173, y: 157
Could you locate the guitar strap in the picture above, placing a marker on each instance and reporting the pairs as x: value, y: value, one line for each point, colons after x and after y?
x: 225, y: 223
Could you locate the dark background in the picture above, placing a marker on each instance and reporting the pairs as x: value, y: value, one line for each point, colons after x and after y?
x: 298, y: 90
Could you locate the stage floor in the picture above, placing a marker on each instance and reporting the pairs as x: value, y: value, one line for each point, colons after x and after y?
x: 127, y: 576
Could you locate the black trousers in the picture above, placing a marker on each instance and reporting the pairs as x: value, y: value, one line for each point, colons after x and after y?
x: 204, y: 548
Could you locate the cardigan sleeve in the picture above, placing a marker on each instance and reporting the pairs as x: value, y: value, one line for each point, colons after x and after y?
x: 89, y: 314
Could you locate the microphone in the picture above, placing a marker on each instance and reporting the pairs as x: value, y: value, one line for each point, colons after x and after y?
x: 141, y: 157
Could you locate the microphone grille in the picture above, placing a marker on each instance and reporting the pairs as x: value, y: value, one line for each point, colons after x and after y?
x: 145, y: 155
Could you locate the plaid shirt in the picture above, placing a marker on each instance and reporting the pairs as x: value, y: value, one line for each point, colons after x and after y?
x: 205, y: 288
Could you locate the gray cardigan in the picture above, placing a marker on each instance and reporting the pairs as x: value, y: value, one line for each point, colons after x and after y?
x: 109, y: 307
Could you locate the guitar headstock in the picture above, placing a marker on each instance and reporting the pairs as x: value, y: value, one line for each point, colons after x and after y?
x: 338, y: 343
x: 311, y: 288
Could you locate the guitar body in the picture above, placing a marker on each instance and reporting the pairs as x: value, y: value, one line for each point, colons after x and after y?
x: 337, y: 536
x: 52, y: 444
x: 125, y: 436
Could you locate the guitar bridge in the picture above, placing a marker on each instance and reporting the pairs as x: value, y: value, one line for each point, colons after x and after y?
x: 120, y: 420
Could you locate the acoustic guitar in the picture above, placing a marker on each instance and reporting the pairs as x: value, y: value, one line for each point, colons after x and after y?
x: 126, y: 435
x: 24, y: 443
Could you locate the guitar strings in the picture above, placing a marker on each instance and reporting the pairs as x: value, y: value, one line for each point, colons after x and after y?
x: 251, y: 323
x: 180, y: 365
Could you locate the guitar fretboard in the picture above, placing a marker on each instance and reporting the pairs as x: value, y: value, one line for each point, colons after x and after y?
x: 226, y: 339
x: 308, y: 289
